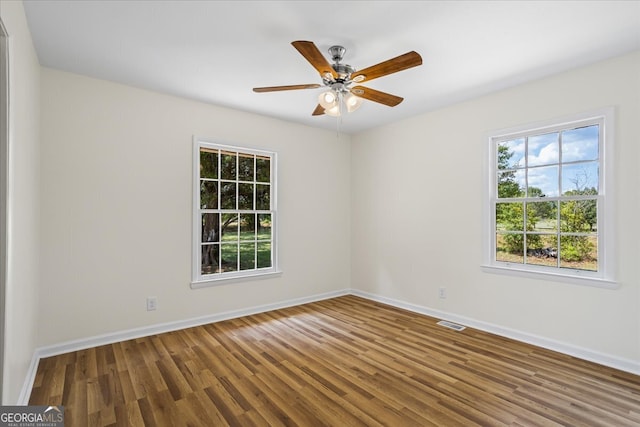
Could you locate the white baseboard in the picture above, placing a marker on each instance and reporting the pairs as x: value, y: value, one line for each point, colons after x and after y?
x: 81, y: 344
x: 568, y: 349
x: 25, y: 393
x: 145, y: 331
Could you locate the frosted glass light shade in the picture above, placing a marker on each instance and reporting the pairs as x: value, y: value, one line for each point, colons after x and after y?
x: 352, y: 102
x: 333, y: 111
x: 328, y: 99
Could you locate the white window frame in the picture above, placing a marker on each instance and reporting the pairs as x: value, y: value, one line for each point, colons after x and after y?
x: 198, y: 279
x: 605, y: 276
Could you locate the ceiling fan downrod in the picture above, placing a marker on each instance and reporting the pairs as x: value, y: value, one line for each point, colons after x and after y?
x: 337, y: 52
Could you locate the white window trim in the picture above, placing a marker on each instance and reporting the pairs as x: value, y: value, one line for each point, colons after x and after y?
x: 605, y: 276
x: 197, y: 279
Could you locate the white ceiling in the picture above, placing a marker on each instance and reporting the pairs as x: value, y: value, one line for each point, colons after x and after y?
x: 217, y: 51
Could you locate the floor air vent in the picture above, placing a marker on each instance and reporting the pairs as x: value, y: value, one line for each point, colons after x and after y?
x: 450, y: 325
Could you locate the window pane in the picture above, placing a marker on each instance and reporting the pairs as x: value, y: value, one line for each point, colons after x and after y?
x: 509, y: 248
x: 263, y: 169
x: 542, y: 216
x: 208, y: 163
x: 245, y: 196
x: 264, y: 255
x: 543, y: 149
x: 542, y: 249
x: 510, y: 154
x: 509, y: 217
x: 543, y: 181
x: 589, y: 209
x: 247, y: 226
x: 578, y: 216
x: 229, y: 227
x: 229, y: 257
x: 210, y: 258
x: 209, y: 195
x: 228, y: 195
x: 511, y: 184
x: 264, y: 227
x: 263, y: 197
x: 580, y: 178
x: 210, y: 227
x: 579, y: 252
x: 247, y: 256
x: 245, y: 167
x: 228, y: 165
x: 580, y: 144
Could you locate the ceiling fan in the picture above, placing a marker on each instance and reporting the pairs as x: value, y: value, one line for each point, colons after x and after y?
x: 340, y: 79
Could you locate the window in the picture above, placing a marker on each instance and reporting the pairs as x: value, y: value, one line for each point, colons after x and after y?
x: 234, y: 213
x: 549, y: 198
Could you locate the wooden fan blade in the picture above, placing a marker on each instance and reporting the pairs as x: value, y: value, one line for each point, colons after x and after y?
x: 399, y: 63
x: 289, y: 87
x: 315, y: 57
x: 318, y: 111
x: 376, y: 96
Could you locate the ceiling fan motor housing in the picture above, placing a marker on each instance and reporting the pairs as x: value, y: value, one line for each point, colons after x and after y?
x: 344, y: 70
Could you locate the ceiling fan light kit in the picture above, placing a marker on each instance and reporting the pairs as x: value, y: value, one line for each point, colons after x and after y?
x: 339, y: 78
x: 334, y: 100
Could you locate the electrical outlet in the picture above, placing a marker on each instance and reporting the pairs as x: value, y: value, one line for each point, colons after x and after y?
x: 152, y: 303
x: 442, y: 293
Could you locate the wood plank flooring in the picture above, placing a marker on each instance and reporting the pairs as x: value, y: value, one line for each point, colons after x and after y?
x: 346, y: 361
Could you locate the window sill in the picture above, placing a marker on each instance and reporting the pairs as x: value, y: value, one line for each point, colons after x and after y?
x: 209, y: 282
x: 576, y: 279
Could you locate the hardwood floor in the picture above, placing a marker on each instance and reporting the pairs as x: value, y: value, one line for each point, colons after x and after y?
x: 343, y: 362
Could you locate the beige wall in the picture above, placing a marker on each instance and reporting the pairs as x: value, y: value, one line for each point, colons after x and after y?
x: 417, y: 213
x: 116, y: 208
x: 21, y: 314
